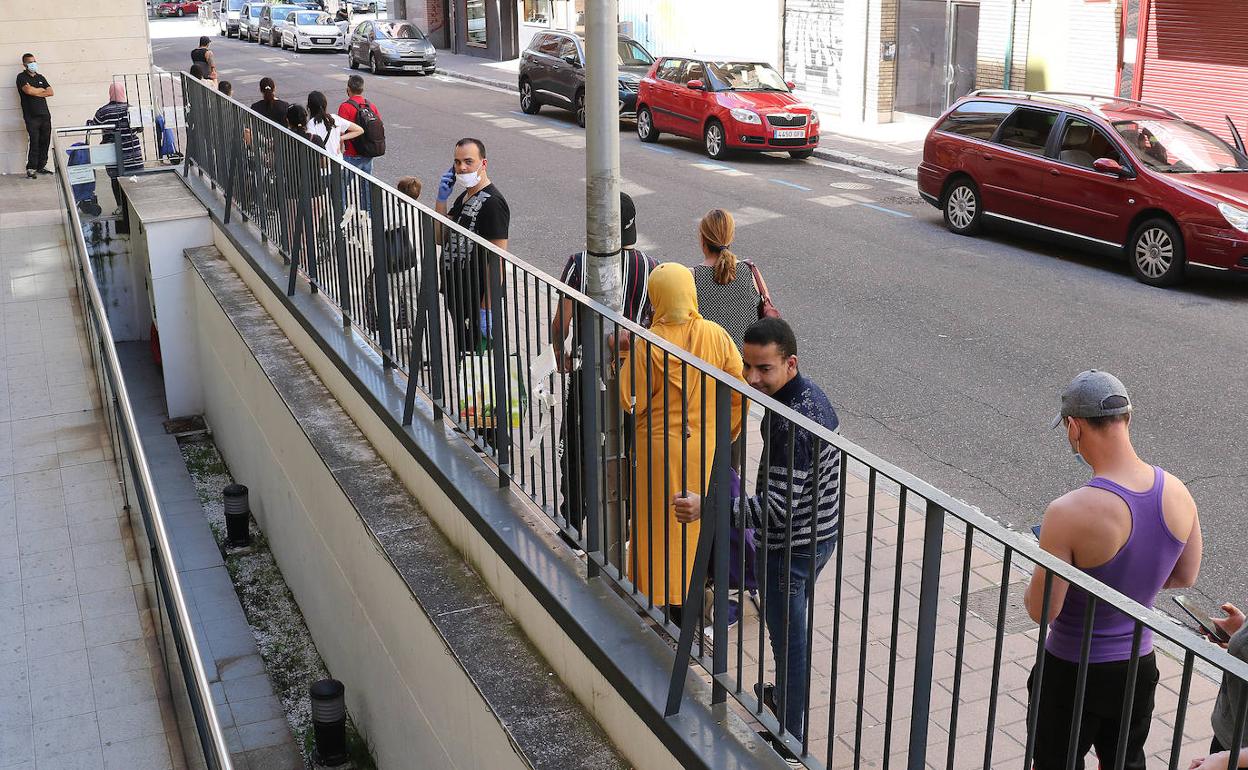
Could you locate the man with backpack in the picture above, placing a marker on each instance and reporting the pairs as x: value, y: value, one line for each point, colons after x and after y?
x: 371, y: 144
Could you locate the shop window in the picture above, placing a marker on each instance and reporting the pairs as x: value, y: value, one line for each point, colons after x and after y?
x: 538, y: 12
x: 474, y: 13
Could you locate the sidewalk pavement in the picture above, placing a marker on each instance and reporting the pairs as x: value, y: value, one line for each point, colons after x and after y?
x: 892, y: 148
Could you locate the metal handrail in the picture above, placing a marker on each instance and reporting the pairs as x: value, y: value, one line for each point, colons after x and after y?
x: 938, y: 502
x: 146, y: 487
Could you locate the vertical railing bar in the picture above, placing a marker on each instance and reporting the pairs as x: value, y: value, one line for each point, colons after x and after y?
x: 892, y: 644
x: 1180, y: 717
x: 1037, y: 675
x: 960, y: 646
x: 866, y: 612
x: 1002, y: 605
x: 925, y: 644
x: 836, y: 606
x: 1081, y: 683
x: 1128, y: 697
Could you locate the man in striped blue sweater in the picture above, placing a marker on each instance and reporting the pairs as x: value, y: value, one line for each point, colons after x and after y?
x: 795, y: 510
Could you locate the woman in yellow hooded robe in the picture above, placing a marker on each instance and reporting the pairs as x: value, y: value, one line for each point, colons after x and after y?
x: 673, y: 432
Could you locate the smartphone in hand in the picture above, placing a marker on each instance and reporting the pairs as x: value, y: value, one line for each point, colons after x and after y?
x: 1035, y: 530
x: 1202, y: 618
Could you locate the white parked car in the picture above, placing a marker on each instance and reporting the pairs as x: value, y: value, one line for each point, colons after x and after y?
x: 312, y: 31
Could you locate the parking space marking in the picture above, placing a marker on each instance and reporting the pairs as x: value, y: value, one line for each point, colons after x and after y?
x: 653, y: 148
x: 832, y: 201
x: 571, y: 141
x: 750, y: 215
x: 545, y: 133
x: 510, y: 123
x: 480, y: 114
x: 886, y: 210
x: 789, y: 184
x: 720, y: 169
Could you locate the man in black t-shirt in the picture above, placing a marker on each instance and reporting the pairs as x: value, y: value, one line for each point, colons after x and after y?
x: 34, y: 91
x: 480, y: 209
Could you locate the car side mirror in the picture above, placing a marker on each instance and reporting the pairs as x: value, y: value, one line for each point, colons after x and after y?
x: 695, y: 85
x: 1109, y: 166
x: 571, y: 59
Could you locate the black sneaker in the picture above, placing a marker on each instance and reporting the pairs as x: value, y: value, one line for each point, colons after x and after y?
x: 30, y: 173
x: 43, y: 170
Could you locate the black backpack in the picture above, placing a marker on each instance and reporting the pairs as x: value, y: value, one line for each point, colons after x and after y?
x: 372, y: 143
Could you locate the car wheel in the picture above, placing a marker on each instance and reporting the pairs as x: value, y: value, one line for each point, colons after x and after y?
x: 355, y: 65
x: 801, y: 154
x: 529, y: 104
x: 180, y: 13
x: 645, y: 126
x: 373, y: 65
x: 962, y: 207
x: 713, y: 140
x: 1156, y: 253
x: 372, y: 8
x: 579, y: 104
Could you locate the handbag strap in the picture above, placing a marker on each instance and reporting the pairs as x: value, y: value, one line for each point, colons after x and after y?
x: 758, y: 281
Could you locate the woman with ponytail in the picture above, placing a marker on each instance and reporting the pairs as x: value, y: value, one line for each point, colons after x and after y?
x: 729, y: 289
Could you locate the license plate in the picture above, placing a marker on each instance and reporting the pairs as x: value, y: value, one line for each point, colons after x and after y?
x: 414, y: 67
x: 790, y: 133
x: 323, y: 40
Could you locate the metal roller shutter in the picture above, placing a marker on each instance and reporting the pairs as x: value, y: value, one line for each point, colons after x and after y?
x: 1196, y: 60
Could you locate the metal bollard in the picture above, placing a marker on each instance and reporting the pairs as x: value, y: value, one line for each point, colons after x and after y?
x: 237, y: 514
x: 329, y: 722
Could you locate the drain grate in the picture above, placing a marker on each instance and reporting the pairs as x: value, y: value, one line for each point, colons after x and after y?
x: 983, y: 605
x: 849, y: 185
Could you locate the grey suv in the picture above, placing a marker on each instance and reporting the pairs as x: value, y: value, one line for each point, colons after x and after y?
x: 552, y: 71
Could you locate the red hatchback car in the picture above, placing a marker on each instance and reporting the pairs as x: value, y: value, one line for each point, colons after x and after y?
x: 178, y: 8
x: 728, y: 105
x: 1112, y: 173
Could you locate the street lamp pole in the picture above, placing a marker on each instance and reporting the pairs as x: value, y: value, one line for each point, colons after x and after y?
x: 604, y: 279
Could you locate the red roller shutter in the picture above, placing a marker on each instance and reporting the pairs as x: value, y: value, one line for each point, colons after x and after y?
x: 1196, y: 60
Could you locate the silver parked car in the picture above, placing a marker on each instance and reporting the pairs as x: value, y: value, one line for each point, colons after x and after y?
x: 249, y: 21
x: 272, y: 19
x: 227, y: 13
x: 312, y: 31
x: 391, y: 45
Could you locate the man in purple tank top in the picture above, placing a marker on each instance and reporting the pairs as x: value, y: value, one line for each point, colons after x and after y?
x: 1133, y: 527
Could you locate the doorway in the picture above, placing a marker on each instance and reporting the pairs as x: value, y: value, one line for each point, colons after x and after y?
x: 937, y: 47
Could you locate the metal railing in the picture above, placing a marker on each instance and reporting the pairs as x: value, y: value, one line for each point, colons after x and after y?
x: 202, y: 739
x: 898, y: 640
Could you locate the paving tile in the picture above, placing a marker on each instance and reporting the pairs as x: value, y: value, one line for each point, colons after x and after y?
x: 109, y: 629
x: 11, y: 593
x: 15, y: 708
x: 11, y: 568
x: 123, y: 688
x: 117, y: 658
x: 256, y: 710
x: 62, y: 700
x: 134, y: 720
x: 238, y: 668
x: 53, y: 612
x: 61, y: 668
x: 14, y: 677
x: 101, y: 531
x: 51, y: 640
x: 40, y: 540
x: 111, y: 601
x: 146, y: 753
x: 91, y: 759
x: 258, y: 735
x: 16, y: 743
x: 247, y: 688
x: 66, y: 736
x: 99, y: 554
x: 12, y: 647
x: 52, y: 562
x: 104, y: 576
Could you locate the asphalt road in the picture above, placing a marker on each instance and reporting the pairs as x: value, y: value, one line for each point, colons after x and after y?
x: 943, y: 354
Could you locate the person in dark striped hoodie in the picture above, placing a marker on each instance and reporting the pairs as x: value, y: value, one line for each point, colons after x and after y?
x: 795, y: 510
x: 117, y: 114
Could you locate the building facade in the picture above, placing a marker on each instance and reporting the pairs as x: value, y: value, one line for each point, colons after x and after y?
x: 80, y: 45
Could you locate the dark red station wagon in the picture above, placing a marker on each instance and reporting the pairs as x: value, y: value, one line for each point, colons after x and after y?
x: 1111, y: 173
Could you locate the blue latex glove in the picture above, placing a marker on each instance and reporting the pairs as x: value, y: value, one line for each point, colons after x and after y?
x: 445, y: 186
x: 485, y: 322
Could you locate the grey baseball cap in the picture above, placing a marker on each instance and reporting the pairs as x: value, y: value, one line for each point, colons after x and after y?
x: 1093, y: 394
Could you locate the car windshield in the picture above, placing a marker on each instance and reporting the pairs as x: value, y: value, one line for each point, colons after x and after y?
x: 1174, y: 146
x: 398, y: 30
x: 633, y: 55
x: 255, y: 11
x: 234, y: 5
x: 312, y: 19
x: 744, y: 76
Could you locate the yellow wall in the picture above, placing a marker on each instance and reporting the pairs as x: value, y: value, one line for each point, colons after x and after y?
x: 80, y: 45
x: 1073, y: 46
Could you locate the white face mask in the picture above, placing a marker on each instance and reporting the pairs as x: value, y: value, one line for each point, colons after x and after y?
x: 32, y: 66
x: 469, y: 180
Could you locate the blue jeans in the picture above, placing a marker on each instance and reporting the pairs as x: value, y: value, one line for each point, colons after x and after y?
x: 798, y: 583
x: 365, y: 165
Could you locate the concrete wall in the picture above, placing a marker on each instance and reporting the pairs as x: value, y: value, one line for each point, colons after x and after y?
x: 80, y: 45
x: 322, y: 556
x: 417, y: 707
x: 1073, y: 46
